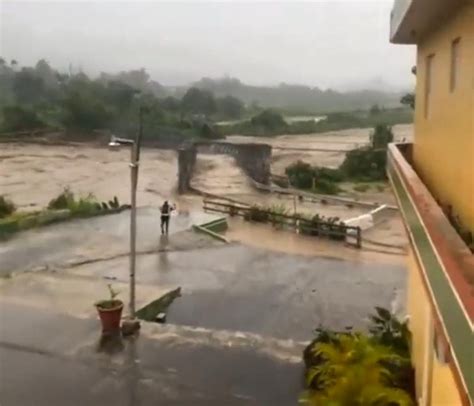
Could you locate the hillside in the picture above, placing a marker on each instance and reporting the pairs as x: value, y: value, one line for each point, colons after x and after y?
x: 299, y: 97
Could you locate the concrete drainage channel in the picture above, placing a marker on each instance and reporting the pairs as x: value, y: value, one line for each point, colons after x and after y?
x: 213, y: 228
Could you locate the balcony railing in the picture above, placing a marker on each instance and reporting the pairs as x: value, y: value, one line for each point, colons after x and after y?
x: 444, y: 259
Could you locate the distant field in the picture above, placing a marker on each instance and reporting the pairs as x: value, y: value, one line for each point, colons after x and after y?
x: 310, y: 124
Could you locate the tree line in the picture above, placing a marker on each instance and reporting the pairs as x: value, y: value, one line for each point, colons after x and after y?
x: 38, y: 96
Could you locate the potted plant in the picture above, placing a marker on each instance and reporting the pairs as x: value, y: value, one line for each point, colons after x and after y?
x: 110, y: 312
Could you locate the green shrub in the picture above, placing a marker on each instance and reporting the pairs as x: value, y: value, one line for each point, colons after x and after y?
x: 114, y: 203
x: 365, y: 164
x: 8, y: 226
x: 16, y: 118
x: 209, y: 132
x: 323, y: 226
x: 277, y: 211
x: 257, y: 214
x: 374, y: 368
x: 84, y: 206
x: 63, y: 201
x: 300, y: 175
x: 6, y: 207
x: 329, y: 174
x: 326, y: 187
x: 322, y: 180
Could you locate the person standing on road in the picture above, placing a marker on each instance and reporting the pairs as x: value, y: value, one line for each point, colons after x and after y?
x: 165, y: 217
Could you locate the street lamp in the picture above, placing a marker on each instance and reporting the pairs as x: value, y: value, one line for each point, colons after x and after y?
x: 134, y: 164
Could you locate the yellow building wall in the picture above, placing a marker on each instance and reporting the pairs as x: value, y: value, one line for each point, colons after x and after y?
x: 441, y: 388
x: 444, y: 141
x: 417, y: 308
x: 444, y: 391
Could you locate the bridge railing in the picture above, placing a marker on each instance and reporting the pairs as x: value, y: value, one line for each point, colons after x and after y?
x: 352, y: 235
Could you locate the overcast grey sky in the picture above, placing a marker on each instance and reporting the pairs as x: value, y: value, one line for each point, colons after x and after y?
x: 331, y: 43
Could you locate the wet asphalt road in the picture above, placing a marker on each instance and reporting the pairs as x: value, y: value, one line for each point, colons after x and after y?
x: 241, y: 288
x: 236, y: 300
x: 86, y: 238
x: 62, y: 364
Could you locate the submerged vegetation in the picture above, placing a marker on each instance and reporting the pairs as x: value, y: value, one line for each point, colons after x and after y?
x: 6, y: 207
x: 315, y: 225
x: 365, y: 164
x: 354, y: 368
x: 63, y: 207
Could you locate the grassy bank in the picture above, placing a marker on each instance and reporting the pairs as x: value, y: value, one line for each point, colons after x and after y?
x: 271, y: 123
x: 62, y: 208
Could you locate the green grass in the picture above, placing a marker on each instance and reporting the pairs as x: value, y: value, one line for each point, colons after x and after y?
x: 6, y: 207
x: 63, y: 207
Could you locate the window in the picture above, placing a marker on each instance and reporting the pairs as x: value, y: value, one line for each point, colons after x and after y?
x: 454, y: 74
x: 428, y: 83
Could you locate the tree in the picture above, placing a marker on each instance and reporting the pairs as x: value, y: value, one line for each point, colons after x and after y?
x: 82, y: 112
x: 374, y: 110
x: 47, y: 74
x: 137, y: 78
x: 197, y: 101
x: 119, y: 95
x: 171, y: 104
x: 381, y: 136
x: 269, y: 119
x: 300, y: 174
x: 28, y: 87
x: 230, y: 107
x: 16, y: 118
x: 408, y: 99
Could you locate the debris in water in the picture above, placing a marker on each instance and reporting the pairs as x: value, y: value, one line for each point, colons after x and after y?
x: 161, y: 317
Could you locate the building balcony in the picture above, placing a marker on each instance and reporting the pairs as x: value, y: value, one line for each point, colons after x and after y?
x: 411, y: 19
x: 444, y: 260
x: 399, y: 10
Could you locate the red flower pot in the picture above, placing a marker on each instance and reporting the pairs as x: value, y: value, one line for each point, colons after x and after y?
x: 110, y: 313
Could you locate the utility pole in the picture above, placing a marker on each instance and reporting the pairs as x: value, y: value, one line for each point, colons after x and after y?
x: 134, y: 166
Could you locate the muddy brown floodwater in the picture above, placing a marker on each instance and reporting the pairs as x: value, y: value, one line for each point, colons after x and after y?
x: 31, y: 174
